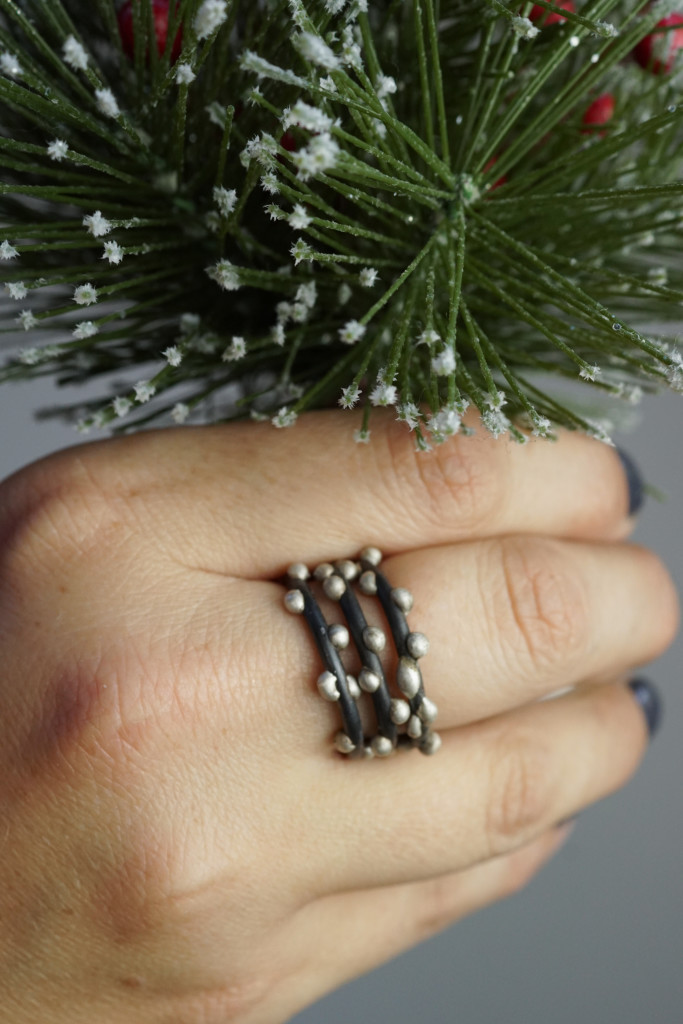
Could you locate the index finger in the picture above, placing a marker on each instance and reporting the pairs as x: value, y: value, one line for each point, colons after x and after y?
x: 247, y: 499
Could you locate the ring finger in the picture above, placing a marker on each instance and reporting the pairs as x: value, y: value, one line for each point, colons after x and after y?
x: 509, y: 620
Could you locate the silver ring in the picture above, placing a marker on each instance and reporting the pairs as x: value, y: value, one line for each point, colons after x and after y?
x: 405, y: 719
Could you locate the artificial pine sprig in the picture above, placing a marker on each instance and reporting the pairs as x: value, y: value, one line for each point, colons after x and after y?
x: 274, y: 205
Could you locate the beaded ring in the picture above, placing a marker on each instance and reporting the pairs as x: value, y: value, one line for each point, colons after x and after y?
x: 412, y: 709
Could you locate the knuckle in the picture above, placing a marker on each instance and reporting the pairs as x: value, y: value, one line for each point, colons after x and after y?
x: 156, y: 893
x: 520, y: 789
x: 132, y: 891
x: 53, y: 510
x: 540, y: 609
x: 235, y: 1001
x: 455, y: 481
x: 92, y: 712
x: 437, y: 904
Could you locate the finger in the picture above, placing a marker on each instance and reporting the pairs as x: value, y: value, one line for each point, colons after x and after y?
x: 343, y: 936
x: 492, y: 787
x: 248, y: 499
x: 513, y: 619
x: 509, y: 620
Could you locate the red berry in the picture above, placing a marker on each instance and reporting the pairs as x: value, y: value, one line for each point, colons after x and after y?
x: 658, y: 51
x: 547, y: 17
x: 289, y: 143
x: 160, y: 12
x: 599, y: 112
x: 501, y: 181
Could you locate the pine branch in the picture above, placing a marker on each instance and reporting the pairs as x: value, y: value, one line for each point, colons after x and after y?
x: 259, y: 195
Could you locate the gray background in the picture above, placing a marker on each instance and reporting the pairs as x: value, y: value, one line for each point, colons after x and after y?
x: 598, y: 936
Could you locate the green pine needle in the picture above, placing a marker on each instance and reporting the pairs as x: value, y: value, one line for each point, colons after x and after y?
x: 323, y: 202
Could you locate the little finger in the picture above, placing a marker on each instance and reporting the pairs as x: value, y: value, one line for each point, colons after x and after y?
x: 340, y: 937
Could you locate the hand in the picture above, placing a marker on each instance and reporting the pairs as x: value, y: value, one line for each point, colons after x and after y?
x: 181, y: 843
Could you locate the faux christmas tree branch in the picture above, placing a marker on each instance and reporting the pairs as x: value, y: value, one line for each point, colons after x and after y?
x: 296, y: 204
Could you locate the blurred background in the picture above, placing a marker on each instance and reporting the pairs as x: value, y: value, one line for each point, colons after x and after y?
x: 597, y: 937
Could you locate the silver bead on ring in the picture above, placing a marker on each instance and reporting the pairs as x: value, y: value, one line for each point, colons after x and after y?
x: 382, y: 746
x: 372, y: 555
x: 368, y: 583
x: 339, y: 636
x: 368, y: 680
x: 347, y: 568
x: 374, y: 639
x: 327, y: 686
x: 298, y: 571
x: 414, y: 728
x: 417, y: 644
x: 408, y: 677
x: 427, y: 710
x: 400, y: 711
x: 402, y: 598
x: 354, y: 688
x: 431, y: 744
x: 334, y: 586
x: 343, y: 743
x: 294, y: 602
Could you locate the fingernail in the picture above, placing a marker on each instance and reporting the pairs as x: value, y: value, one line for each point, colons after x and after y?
x: 650, y: 701
x: 636, y: 492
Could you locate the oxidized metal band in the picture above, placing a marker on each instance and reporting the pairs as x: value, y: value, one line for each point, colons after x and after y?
x: 403, y: 721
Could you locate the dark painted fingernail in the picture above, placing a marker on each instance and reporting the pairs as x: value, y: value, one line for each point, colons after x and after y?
x: 636, y: 492
x: 650, y: 701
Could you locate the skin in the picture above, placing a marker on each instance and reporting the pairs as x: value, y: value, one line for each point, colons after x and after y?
x: 180, y: 843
